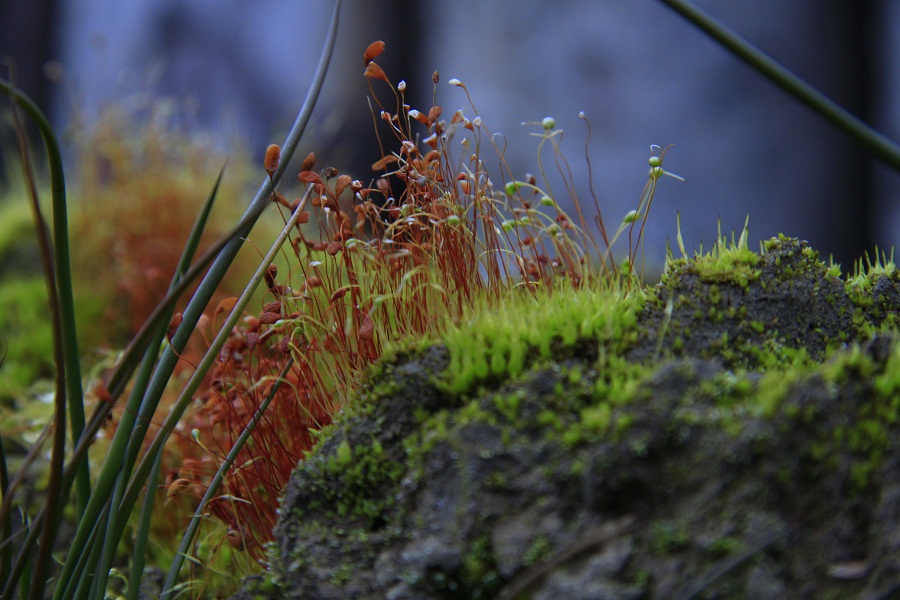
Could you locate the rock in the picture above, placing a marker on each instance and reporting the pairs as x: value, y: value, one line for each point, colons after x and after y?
x: 771, y: 470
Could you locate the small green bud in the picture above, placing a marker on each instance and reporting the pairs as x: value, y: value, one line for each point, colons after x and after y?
x: 548, y: 123
x: 655, y: 161
x: 454, y: 220
x: 508, y: 225
x: 631, y: 217
x: 547, y: 201
x: 344, y: 453
x: 513, y: 186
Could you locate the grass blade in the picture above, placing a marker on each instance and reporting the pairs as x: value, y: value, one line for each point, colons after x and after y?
x: 55, y: 499
x: 142, y: 536
x: 134, y: 403
x: 877, y: 144
x: 112, y: 470
x: 194, y: 525
x: 63, y: 277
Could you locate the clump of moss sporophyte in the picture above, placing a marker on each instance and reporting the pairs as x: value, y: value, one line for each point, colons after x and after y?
x: 415, y: 254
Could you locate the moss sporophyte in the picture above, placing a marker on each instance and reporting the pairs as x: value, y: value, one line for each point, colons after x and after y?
x: 459, y: 324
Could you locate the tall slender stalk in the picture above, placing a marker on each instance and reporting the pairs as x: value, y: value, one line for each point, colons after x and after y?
x: 102, y: 513
x: 69, y: 391
x: 877, y: 144
x: 221, y: 338
x: 128, y: 441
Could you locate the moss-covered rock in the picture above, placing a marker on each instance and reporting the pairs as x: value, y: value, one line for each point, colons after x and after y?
x: 745, y: 461
x: 746, y: 309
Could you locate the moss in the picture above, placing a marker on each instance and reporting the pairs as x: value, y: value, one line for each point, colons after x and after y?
x: 725, y: 546
x: 540, y: 549
x: 479, y: 574
x: 490, y: 345
x: 594, y: 385
x: 669, y: 536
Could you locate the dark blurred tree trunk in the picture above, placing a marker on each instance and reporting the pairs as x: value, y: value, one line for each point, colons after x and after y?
x: 26, y: 36
x: 852, y: 28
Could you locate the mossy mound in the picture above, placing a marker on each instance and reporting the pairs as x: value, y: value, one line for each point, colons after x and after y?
x: 746, y: 309
x: 770, y: 472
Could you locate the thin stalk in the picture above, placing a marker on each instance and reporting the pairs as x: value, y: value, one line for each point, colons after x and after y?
x: 878, y: 145
x: 142, y: 536
x: 31, y: 531
x: 112, y: 470
x: 63, y: 277
x: 168, y: 426
x: 142, y: 343
x: 5, y: 520
x: 194, y: 525
x: 140, y: 384
x: 55, y: 498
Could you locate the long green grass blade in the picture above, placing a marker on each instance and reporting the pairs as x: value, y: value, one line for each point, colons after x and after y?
x: 138, y: 391
x: 877, y: 144
x: 56, y: 499
x: 168, y: 426
x: 112, y: 469
x: 6, y: 519
x: 142, y: 535
x: 194, y: 525
x: 236, y: 312
x: 63, y: 271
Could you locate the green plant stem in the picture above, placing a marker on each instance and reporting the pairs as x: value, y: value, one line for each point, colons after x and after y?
x: 143, y: 342
x: 65, y: 350
x: 57, y: 456
x: 140, y: 386
x: 194, y: 525
x: 5, y: 519
x: 21, y: 564
x: 63, y: 272
x: 877, y: 144
x: 142, y: 536
x: 113, y: 468
x: 196, y: 379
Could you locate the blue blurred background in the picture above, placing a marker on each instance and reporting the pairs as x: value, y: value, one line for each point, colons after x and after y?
x: 639, y: 72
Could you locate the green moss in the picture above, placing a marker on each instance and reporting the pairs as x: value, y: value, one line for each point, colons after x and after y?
x: 539, y: 550
x: 358, y: 470
x: 669, y: 536
x: 509, y: 405
x: 480, y: 569
x: 25, y: 328
x: 725, y: 546
x: 557, y: 370
x: 490, y: 344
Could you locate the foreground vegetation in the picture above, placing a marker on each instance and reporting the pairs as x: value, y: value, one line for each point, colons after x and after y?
x: 213, y: 401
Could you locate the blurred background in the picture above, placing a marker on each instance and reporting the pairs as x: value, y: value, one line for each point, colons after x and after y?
x: 640, y: 73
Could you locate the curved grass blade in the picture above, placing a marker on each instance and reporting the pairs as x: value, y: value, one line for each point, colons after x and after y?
x: 113, y: 468
x: 63, y: 277
x: 55, y: 498
x: 140, y: 386
x: 877, y: 144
